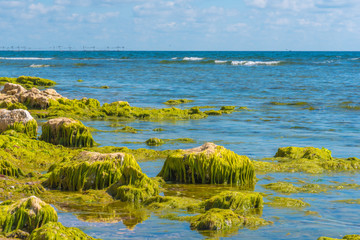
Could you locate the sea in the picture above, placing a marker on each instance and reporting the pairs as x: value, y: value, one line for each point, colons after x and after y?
x: 291, y: 99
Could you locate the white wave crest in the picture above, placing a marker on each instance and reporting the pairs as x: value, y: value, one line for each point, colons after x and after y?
x: 192, y: 58
x: 174, y: 58
x: 354, y: 59
x: 24, y: 58
x: 220, y: 61
x: 255, y: 63
x: 38, y: 65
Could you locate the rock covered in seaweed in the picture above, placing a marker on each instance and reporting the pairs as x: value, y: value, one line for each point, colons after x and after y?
x: 209, y: 163
x: 134, y: 186
x: 26, y: 214
x: 33, y: 97
x: 67, y: 132
x: 8, y: 169
x: 240, y: 202
x: 304, y: 152
x: 154, y: 142
x: 346, y: 237
x: 90, y: 170
x: 19, y: 120
x: 55, y: 230
x: 28, y: 81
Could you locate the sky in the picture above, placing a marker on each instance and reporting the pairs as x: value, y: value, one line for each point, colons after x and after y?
x: 239, y: 25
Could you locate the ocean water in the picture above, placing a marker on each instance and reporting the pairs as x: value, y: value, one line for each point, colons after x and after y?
x: 294, y: 99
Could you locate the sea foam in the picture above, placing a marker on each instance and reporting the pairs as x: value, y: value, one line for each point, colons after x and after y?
x: 220, y: 61
x: 38, y: 65
x: 192, y: 58
x: 24, y: 58
x: 254, y: 63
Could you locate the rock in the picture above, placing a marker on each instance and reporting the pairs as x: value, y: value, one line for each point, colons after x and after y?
x: 19, y: 120
x: 55, y: 230
x: 90, y: 170
x: 209, y: 163
x: 35, y: 98
x: 67, y: 132
x: 25, y: 214
x: 304, y: 152
x: 154, y: 142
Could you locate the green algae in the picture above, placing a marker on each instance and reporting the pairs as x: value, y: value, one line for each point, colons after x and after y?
x: 170, y: 202
x: 28, y: 82
x: 8, y: 169
x: 80, y: 80
x: 213, y: 113
x: 67, y: 132
x: 177, y: 101
x: 29, y: 128
x: 284, y: 202
x: 227, y: 108
x: 12, y: 106
x: 133, y: 186
x: 210, y: 164
x: 346, y: 237
x: 26, y: 214
x: 154, y: 142
x: 304, y: 152
x: 90, y: 171
x: 158, y: 129
x: 55, y: 230
x: 240, y: 202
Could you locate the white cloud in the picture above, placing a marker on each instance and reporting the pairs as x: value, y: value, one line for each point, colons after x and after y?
x: 236, y: 27
x: 256, y: 3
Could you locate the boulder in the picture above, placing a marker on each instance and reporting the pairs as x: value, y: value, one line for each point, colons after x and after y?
x: 209, y: 164
x: 67, y: 132
x: 18, y: 119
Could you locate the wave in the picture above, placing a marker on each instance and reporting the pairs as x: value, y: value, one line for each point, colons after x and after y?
x: 220, y: 61
x: 192, y: 59
x: 24, y: 58
x: 255, y: 63
x: 38, y: 65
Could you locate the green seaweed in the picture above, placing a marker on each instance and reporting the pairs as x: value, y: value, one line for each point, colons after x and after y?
x: 69, y: 133
x: 240, y: 202
x: 170, y: 202
x: 55, y: 230
x: 221, y: 166
x: 133, y: 186
x: 304, y: 152
x: 8, y: 169
x: 89, y: 171
x: 28, y: 82
x: 346, y: 237
x: 284, y: 202
x: 177, y: 101
x: 154, y: 142
x: 158, y: 129
x: 29, y: 128
x: 213, y: 113
x: 26, y: 214
x: 17, y: 105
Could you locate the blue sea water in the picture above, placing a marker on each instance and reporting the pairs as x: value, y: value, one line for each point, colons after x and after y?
x: 294, y: 99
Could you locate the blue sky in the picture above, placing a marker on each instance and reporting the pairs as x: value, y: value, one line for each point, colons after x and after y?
x: 181, y: 24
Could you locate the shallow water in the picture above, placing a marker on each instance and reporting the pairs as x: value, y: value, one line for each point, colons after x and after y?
x: 271, y: 84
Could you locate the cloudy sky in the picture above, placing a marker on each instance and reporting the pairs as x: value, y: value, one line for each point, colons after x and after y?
x: 181, y: 24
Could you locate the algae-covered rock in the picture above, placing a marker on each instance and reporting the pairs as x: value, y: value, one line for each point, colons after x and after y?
x: 224, y: 219
x: 239, y: 202
x: 28, y: 81
x: 284, y: 202
x: 282, y: 187
x: 154, y: 142
x: 134, y: 186
x: 209, y: 163
x: 67, y: 132
x: 25, y: 214
x: 170, y: 202
x: 347, y: 237
x: 8, y: 169
x: 55, y: 230
x: 19, y: 120
x: 90, y: 170
x: 178, y: 101
x: 304, y: 152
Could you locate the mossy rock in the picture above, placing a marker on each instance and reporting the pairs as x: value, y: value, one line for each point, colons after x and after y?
x: 304, y: 152
x: 19, y: 120
x: 55, y: 230
x: 177, y: 101
x: 67, y: 132
x: 224, y: 219
x: 29, y: 128
x: 8, y: 169
x: 28, y: 82
x: 213, y: 113
x: 209, y: 163
x: 90, y: 170
x: 227, y: 108
x: 134, y: 186
x: 170, y: 202
x: 26, y: 214
x: 239, y: 202
x: 154, y: 142
x: 284, y: 202
x: 282, y: 187
x: 347, y: 237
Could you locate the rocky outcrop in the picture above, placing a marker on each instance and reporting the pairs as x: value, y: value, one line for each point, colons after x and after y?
x: 19, y: 120
x: 13, y: 93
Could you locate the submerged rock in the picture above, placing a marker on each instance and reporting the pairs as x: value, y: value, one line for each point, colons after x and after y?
x: 347, y: 237
x: 67, y: 132
x: 34, y: 98
x: 19, y: 120
x: 90, y: 170
x: 154, y: 142
x: 304, y: 152
x: 177, y: 101
x: 55, y: 230
x: 134, y: 186
x: 239, y: 202
x: 25, y: 214
x: 209, y: 163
